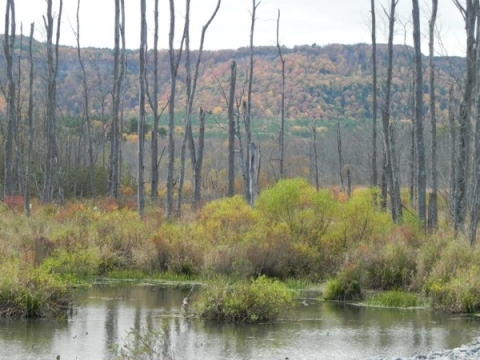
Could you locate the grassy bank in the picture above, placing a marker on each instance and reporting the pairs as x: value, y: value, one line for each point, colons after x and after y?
x: 293, y: 232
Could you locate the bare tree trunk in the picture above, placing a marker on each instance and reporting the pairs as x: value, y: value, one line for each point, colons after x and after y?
x: 470, y: 14
x: 60, y: 196
x: 8, y: 47
x: 171, y: 115
x: 248, y: 118
x: 391, y: 169
x: 475, y: 204
x: 114, y: 186
x: 141, y: 110
x: 421, y: 172
x: 191, y: 85
x: 433, y: 202
x: 199, y: 162
x: 254, y: 166
x: 231, y: 130
x: 18, y: 125
x: 188, y: 125
x: 281, y: 138
x: 86, y: 107
x: 412, y: 168
x: 384, y: 183
x: 374, y: 97
x: 340, y: 155
x: 30, y: 122
x: 52, y: 63
x: 156, y: 117
x: 453, y: 156
x: 121, y: 94
x: 315, y: 157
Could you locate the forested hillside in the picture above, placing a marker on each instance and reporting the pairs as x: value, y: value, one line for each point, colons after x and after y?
x: 323, y: 83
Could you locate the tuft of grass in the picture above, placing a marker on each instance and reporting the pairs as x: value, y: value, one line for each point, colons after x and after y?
x: 259, y: 300
x: 144, y: 344
x: 344, y: 287
x: 395, y: 298
x: 31, y: 293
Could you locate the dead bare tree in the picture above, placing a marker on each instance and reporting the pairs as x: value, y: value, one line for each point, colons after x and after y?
x: 174, y: 61
x: 51, y: 136
x: 315, y: 157
x: 281, y: 138
x: 231, y: 130
x: 153, y: 100
x: 8, y: 47
x: 30, y: 122
x: 475, y: 204
x: 391, y: 166
x: 419, y: 141
x: 469, y: 13
x: 433, y: 198
x: 86, y: 106
x: 453, y: 152
x: 248, y: 112
x: 191, y: 85
x: 374, y: 97
x: 141, y: 109
x: 118, y: 77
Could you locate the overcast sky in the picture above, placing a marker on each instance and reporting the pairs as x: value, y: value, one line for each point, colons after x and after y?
x: 302, y: 22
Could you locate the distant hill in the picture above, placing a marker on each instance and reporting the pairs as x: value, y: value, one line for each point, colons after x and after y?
x: 324, y: 83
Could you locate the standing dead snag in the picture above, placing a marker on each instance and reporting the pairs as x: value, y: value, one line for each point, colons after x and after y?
x: 30, y: 122
x: 153, y: 100
x: 248, y: 112
x: 391, y: 166
x: 8, y: 47
x: 231, y: 130
x: 432, y: 204
x: 86, y: 107
x: 141, y: 110
x: 374, y: 98
x: 191, y: 85
x: 118, y: 77
x: 254, y: 167
x: 281, y: 138
x: 52, y: 161
x: 421, y: 172
x: 469, y: 13
x: 475, y: 204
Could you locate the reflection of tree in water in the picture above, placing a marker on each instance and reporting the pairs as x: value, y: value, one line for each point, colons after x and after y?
x: 111, y: 323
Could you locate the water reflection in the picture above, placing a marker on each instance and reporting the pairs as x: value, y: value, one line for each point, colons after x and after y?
x: 316, y: 331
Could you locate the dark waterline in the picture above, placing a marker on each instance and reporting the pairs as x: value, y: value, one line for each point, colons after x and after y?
x: 316, y: 331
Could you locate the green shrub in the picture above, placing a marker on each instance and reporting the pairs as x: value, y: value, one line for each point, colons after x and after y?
x: 395, y: 298
x: 307, y: 213
x: 259, y: 300
x: 81, y: 264
x: 225, y: 221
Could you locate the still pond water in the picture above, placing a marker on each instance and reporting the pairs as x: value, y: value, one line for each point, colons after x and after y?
x: 313, y: 331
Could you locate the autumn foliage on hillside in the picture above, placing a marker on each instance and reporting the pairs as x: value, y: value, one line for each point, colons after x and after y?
x: 321, y: 82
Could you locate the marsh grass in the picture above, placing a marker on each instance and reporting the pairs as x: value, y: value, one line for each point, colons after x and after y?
x: 32, y: 293
x: 395, y: 299
x: 144, y: 344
